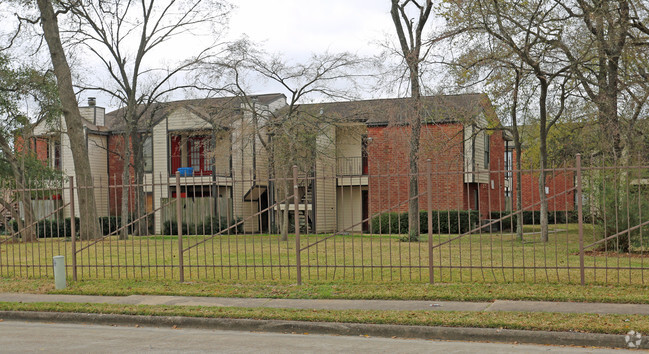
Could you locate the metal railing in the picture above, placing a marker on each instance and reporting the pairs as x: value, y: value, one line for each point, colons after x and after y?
x: 352, y: 166
x: 597, y: 229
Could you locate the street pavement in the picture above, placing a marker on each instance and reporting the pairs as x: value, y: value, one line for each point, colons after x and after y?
x: 30, y: 337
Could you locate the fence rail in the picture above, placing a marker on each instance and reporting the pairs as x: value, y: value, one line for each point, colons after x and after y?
x: 324, y: 226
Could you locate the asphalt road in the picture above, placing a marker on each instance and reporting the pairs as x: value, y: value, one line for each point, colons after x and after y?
x: 22, y: 337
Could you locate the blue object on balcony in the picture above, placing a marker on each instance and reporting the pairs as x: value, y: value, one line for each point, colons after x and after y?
x: 186, y: 171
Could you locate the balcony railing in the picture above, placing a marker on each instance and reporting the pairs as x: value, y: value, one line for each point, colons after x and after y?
x: 352, y: 166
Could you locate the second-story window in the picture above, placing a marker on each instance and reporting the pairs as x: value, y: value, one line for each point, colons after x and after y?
x: 57, y: 155
x: 191, y: 151
x: 147, y: 153
x: 486, y: 150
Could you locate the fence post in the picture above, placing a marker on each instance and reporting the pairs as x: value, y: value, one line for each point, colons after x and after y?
x: 429, y: 192
x: 296, y: 212
x: 73, y: 230
x: 179, y: 227
x: 580, y: 217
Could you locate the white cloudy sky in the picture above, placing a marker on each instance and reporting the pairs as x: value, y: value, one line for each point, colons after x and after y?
x: 293, y: 28
x: 296, y: 27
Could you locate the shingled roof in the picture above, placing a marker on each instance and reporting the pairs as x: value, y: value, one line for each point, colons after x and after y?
x: 221, y: 110
x: 439, y: 109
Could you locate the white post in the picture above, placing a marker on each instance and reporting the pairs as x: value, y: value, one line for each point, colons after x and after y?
x: 59, y: 272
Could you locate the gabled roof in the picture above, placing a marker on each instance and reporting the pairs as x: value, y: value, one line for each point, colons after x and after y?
x: 55, y: 129
x: 376, y: 112
x: 219, y: 110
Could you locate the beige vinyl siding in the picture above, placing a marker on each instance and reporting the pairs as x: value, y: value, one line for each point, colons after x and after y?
x: 242, y: 134
x: 46, y: 128
x: 325, y: 183
x: 97, y: 147
x: 349, y: 149
x: 93, y: 114
x: 160, y: 170
x: 350, y: 209
x: 221, y: 153
x: 349, y: 140
x: 67, y: 168
x: 474, y: 151
x: 181, y: 120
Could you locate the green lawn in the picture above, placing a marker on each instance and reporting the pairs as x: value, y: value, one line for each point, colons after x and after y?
x: 591, y: 323
x: 478, y: 258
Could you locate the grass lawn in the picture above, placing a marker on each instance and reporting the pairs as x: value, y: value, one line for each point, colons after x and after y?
x: 485, y: 258
x: 592, y: 323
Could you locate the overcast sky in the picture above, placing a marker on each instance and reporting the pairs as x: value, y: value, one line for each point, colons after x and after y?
x: 293, y: 28
x: 298, y: 27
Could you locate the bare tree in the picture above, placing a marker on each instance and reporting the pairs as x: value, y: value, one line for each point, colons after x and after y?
x: 414, y: 51
x: 606, y: 50
x: 286, y: 132
x: 528, y: 30
x: 89, y: 224
x: 124, y: 35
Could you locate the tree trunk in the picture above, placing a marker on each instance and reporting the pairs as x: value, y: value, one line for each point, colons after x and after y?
x: 518, y: 148
x: 142, y: 226
x: 519, y: 191
x: 543, y: 134
x: 126, y: 182
x: 89, y: 223
x: 413, y: 159
x: 285, y: 219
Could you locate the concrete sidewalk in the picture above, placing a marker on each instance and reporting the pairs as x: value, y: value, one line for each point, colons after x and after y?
x: 631, y: 340
x: 398, y: 305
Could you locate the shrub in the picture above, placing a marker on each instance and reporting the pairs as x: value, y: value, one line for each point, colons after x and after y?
x: 533, y: 217
x: 109, y: 224
x: 209, y: 226
x: 52, y: 228
x: 443, y: 221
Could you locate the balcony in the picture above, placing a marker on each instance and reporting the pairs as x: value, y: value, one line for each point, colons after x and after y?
x: 352, y: 171
x: 352, y: 166
x: 198, y: 154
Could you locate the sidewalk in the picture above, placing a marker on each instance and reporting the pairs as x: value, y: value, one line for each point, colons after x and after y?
x: 318, y: 304
x: 330, y: 328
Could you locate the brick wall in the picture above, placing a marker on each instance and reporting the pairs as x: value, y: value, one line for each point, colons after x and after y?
x: 388, y: 154
x: 116, y: 150
x: 38, y: 146
x: 557, y: 184
x: 443, y: 143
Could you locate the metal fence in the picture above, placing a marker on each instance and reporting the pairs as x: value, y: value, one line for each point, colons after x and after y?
x: 322, y: 226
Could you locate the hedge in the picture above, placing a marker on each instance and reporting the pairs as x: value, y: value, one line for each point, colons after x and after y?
x: 109, y: 224
x: 444, y: 221
x: 533, y: 217
x: 209, y: 226
x: 52, y: 228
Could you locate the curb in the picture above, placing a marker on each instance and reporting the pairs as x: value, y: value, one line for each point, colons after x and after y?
x: 332, y: 328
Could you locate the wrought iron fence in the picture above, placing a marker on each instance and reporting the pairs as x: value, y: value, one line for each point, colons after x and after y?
x: 323, y: 226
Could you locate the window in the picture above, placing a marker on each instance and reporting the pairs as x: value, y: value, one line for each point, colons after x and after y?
x: 147, y: 153
x: 57, y: 155
x: 486, y: 150
x: 191, y: 151
x: 509, y: 165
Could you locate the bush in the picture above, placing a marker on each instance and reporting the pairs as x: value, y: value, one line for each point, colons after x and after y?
x: 209, y: 226
x: 444, y: 221
x: 109, y: 224
x: 533, y: 217
x: 52, y: 228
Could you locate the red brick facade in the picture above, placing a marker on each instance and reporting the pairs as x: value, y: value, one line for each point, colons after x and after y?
x: 388, y: 153
x: 115, y: 170
x: 557, y: 186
